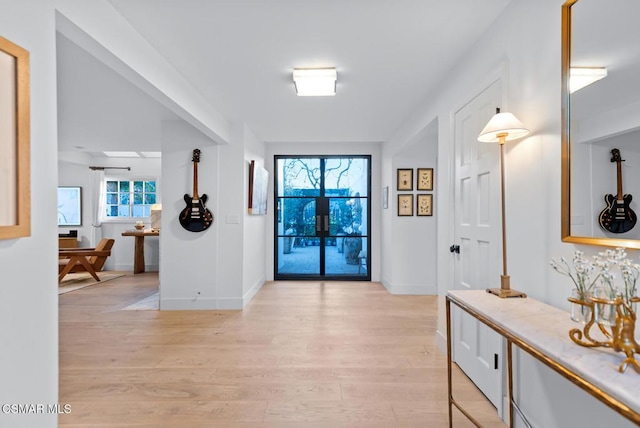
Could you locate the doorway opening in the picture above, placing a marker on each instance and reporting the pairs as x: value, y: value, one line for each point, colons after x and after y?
x: 323, y: 217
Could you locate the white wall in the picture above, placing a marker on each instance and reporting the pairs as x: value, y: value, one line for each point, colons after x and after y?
x: 222, y: 267
x: 189, y: 278
x: 188, y: 260
x: 99, y: 29
x: 413, y: 263
x: 524, y: 47
x: 70, y: 174
x: 28, y: 285
x: 388, y: 179
x: 256, y: 227
x: 28, y: 296
x: 597, y: 177
x: 231, y: 218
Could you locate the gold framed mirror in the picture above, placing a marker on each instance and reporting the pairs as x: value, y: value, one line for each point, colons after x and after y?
x: 601, y: 123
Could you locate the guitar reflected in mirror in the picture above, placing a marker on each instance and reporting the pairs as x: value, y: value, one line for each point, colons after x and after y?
x: 617, y: 217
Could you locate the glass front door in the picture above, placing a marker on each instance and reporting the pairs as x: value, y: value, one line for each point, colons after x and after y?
x: 323, y: 216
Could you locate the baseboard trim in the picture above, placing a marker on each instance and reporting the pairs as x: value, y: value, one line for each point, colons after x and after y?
x: 408, y: 289
x: 441, y: 342
x: 230, y: 303
x: 249, y: 295
x: 386, y: 283
x: 129, y: 267
x: 200, y: 304
x: 222, y: 303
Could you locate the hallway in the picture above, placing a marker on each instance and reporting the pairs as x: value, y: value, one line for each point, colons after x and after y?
x: 302, y: 354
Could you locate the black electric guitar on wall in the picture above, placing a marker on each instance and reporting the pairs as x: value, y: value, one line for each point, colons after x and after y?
x: 196, y: 217
x: 617, y: 217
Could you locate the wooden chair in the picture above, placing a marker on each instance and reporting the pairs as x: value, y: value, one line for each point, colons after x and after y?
x: 84, y: 259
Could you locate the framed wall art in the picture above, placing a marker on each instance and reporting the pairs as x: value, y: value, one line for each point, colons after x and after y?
x: 15, y: 186
x: 405, y: 205
x: 405, y: 179
x: 425, y: 205
x: 425, y: 179
x: 258, y: 189
x: 69, y: 206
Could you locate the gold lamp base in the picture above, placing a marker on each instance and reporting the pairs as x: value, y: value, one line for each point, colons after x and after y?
x: 505, y: 289
x: 506, y: 293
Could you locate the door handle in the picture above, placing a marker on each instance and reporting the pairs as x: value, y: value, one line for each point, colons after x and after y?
x: 318, y: 225
x: 454, y: 249
x: 326, y: 223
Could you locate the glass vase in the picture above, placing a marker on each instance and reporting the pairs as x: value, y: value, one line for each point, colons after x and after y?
x: 581, y: 311
x: 605, y: 314
x: 630, y: 298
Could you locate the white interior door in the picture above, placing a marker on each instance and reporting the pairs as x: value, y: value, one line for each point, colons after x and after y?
x: 477, y: 348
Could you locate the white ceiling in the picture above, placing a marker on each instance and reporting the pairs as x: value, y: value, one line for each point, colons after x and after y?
x: 239, y: 54
x: 100, y: 110
x: 608, y: 111
x: 614, y: 46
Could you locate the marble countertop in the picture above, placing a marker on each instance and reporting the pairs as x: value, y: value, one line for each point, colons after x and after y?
x: 546, y: 329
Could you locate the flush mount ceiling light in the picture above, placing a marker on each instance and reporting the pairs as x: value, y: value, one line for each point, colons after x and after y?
x: 133, y: 154
x: 315, y: 82
x: 151, y: 154
x: 122, y: 154
x: 579, y: 77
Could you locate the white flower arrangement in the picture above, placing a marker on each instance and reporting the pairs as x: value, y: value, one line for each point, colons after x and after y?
x: 581, y: 274
x: 630, y: 273
x: 585, y: 273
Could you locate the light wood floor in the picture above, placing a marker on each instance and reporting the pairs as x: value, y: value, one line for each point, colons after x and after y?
x: 302, y: 354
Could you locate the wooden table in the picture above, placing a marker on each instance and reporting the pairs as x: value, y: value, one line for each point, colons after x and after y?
x: 138, y: 256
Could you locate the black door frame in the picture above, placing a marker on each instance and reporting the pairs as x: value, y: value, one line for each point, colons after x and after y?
x: 322, y: 210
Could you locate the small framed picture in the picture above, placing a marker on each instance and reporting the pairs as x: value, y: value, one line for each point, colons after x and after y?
x: 385, y: 197
x: 425, y: 179
x: 405, y: 205
x: 425, y: 205
x: 69, y: 206
x: 405, y: 179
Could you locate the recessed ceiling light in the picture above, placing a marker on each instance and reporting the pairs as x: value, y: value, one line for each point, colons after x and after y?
x: 122, y: 154
x: 151, y: 154
x: 315, y: 82
x: 579, y: 77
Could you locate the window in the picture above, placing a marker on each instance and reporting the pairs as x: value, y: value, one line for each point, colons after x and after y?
x: 127, y: 199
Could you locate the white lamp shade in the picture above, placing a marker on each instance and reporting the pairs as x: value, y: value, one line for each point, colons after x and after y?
x: 156, y: 214
x: 502, y: 124
x: 314, y: 82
